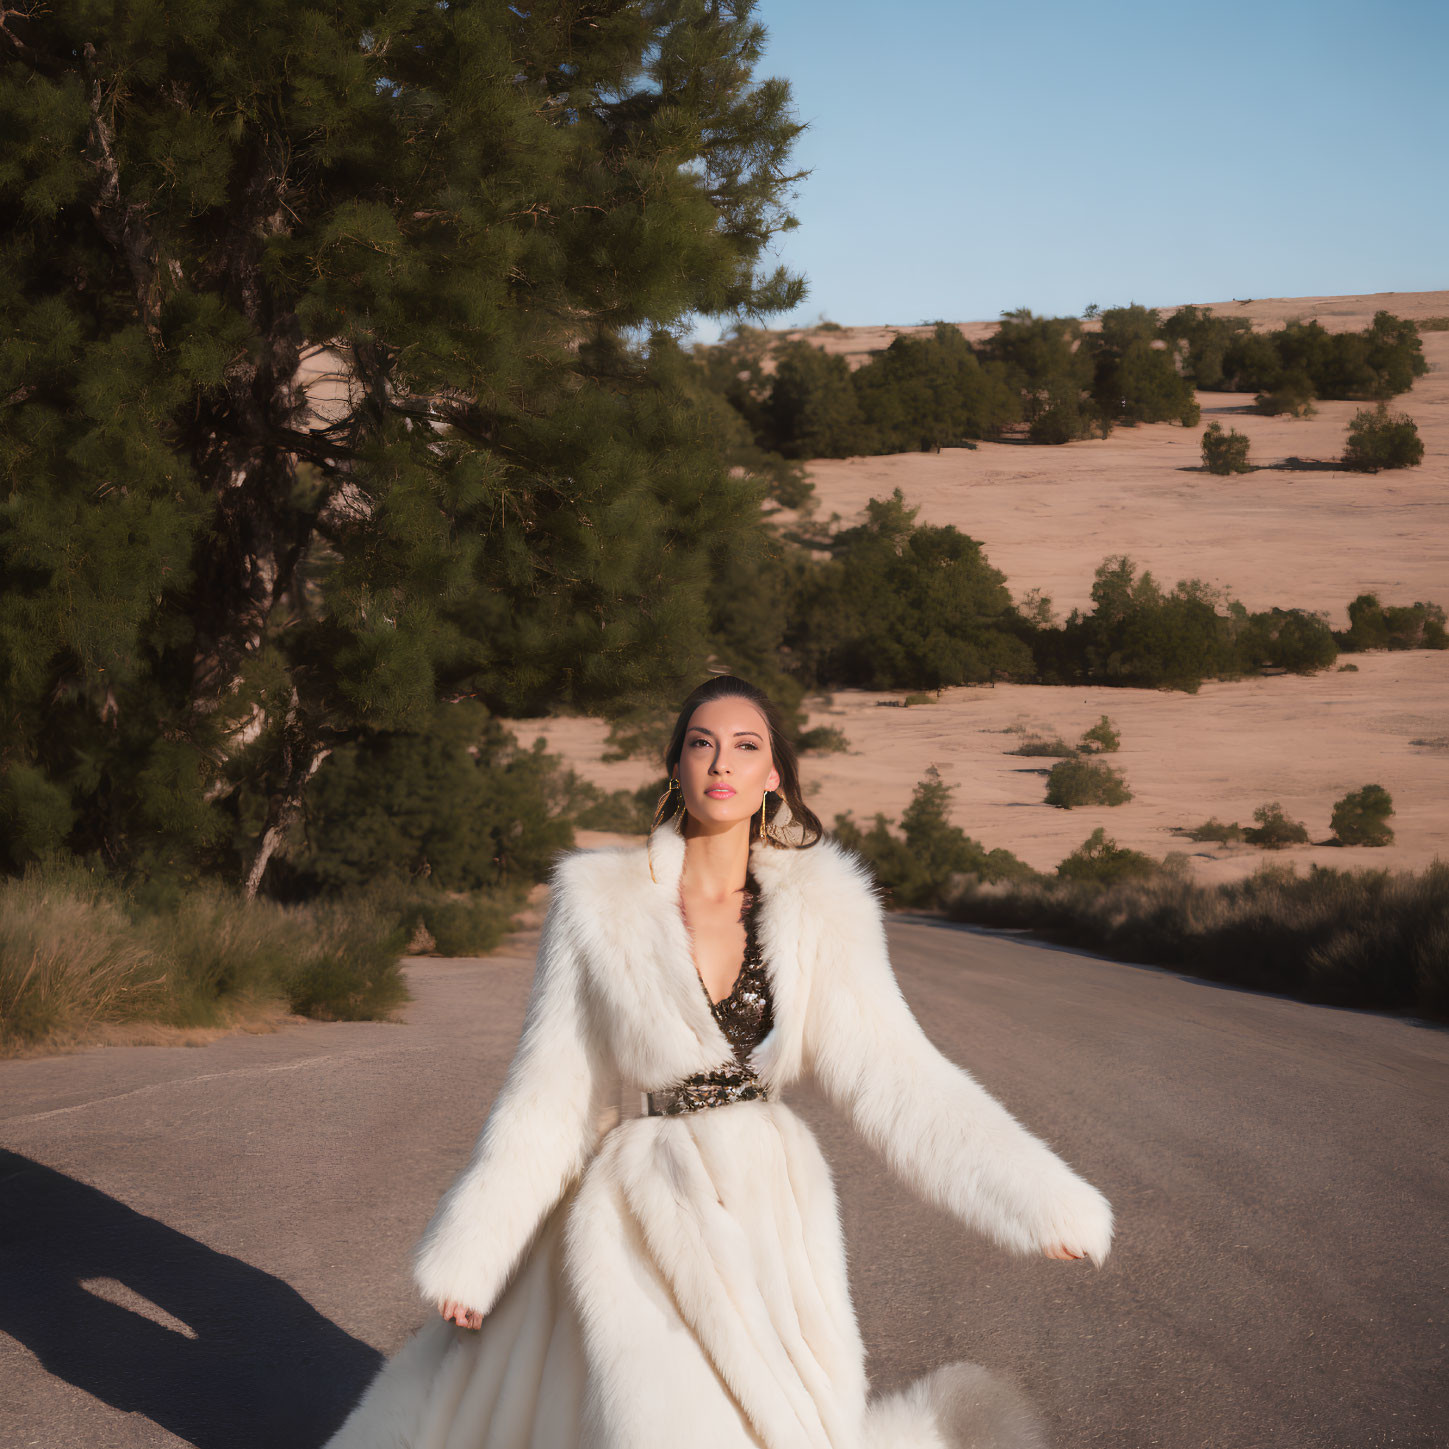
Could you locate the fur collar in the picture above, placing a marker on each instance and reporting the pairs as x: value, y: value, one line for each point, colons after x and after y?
x: 641, y: 972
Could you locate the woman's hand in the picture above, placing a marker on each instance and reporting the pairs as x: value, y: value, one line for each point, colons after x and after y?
x: 463, y: 1317
x: 1061, y: 1252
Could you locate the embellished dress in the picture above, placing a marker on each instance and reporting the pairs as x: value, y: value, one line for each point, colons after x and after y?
x: 677, y: 1279
x: 745, y: 1017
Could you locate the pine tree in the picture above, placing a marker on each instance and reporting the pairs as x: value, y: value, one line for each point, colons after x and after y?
x: 328, y: 388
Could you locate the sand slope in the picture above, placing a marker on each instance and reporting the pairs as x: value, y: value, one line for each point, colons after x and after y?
x: 1297, y: 532
x: 1306, y: 535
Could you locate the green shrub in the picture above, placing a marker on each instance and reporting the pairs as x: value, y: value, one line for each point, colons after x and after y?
x: 1140, y: 635
x: 1135, y: 379
x: 1224, y: 452
x: 1362, y: 817
x: 1293, y: 396
x: 1074, y: 783
x: 1348, y: 668
x: 464, y: 804
x: 1433, y: 324
x: 1274, y: 829
x: 902, y: 605
x: 1379, y: 362
x: 1372, y: 625
x: 813, y: 411
x: 927, y: 393
x: 1379, y: 439
x: 1203, y: 341
x: 1291, y: 639
x: 1216, y: 832
x: 1099, y: 858
x: 1101, y: 739
x: 1050, y: 370
x: 919, y: 865
x: 831, y: 740
x: 625, y: 812
x: 1040, y: 746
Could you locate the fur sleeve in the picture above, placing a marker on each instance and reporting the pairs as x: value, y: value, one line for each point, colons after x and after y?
x: 936, y: 1126
x: 538, y: 1135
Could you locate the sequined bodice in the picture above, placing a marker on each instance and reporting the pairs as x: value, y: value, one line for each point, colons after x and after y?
x: 745, y: 1017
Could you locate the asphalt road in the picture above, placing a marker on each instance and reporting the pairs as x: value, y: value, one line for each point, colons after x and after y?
x: 210, y: 1245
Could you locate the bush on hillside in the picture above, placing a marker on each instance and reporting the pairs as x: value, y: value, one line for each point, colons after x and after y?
x: 1135, y: 377
x: 1138, y: 634
x: 1039, y: 746
x: 1379, y: 439
x: 1074, y: 783
x: 1292, y: 397
x: 922, y: 394
x: 1100, y: 739
x: 1380, y: 362
x: 1372, y: 625
x: 1049, y: 370
x: 1202, y: 340
x: 1216, y: 832
x: 1225, y: 452
x: 813, y: 410
x: 1274, y: 829
x: 1099, y: 858
x: 1141, y: 635
x: 902, y: 605
x: 920, y: 865
x: 824, y: 740
x: 1291, y: 639
x: 1362, y: 817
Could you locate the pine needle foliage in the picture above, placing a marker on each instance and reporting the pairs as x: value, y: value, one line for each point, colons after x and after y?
x: 340, y: 378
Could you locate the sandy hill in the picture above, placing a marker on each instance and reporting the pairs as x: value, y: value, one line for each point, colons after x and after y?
x: 1297, y: 532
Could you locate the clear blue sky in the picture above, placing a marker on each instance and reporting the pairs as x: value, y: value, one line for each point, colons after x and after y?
x: 969, y: 157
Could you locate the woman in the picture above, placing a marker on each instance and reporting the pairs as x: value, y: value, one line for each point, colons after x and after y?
x: 678, y: 1278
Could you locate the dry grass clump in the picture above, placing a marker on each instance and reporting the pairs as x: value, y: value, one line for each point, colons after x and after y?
x: 76, y: 953
x: 70, y: 958
x: 1352, y: 938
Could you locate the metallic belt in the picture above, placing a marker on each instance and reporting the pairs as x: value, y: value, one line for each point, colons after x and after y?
x: 708, y: 1089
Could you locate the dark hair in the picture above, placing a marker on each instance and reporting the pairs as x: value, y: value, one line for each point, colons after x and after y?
x: 782, y: 752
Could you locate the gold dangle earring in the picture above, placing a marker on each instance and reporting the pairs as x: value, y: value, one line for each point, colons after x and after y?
x: 654, y: 825
x: 763, y: 798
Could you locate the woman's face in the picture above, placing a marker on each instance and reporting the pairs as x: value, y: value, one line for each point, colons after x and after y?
x: 725, y: 767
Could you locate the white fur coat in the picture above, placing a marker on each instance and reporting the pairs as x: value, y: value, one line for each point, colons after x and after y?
x: 685, y: 1275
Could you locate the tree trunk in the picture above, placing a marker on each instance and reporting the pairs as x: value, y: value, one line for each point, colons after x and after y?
x: 302, y: 755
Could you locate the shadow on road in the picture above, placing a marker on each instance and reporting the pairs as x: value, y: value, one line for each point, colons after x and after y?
x: 264, y: 1367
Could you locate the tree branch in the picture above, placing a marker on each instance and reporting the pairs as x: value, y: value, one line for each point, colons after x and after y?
x: 122, y: 223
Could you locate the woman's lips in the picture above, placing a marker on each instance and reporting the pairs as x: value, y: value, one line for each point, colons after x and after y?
x: 720, y: 792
